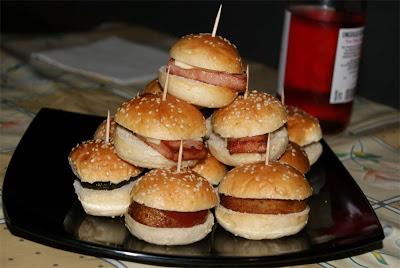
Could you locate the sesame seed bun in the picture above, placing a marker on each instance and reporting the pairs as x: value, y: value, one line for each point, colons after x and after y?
x: 210, y: 169
x: 96, y: 161
x: 133, y: 150
x: 260, y: 181
x: 104, y: 202
x: 259, y: 114
x: 296, y: 157
x: 261, y: 226
x: 196, y: 92
x: 313, y: 151
x: 218, y: 148
x: 204, y: 51
x: 173, y: 119
x: 169, y: 236
x: 303, y: 128
x: 167, y: 189
x: 100, y: 133
x: 153, y: 87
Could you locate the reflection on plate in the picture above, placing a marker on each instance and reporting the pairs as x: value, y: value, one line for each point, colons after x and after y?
x: 342, y: 222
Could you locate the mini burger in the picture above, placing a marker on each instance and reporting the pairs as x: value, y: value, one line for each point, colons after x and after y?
x: 171, y: 208
x: 104, y: 181
x: 204, y: 70
x: 304, y: 130
x: 149, y: 131
x: 153, y: 87
x: 259, y: 201
x: 295, y: 157
x: 100, y: 133
x: 240, y: 130
x: 210, y: 169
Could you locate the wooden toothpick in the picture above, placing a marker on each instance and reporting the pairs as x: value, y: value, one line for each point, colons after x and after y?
x: 267, y: 152
x: 247, y: 83
x: 216, y: 22
x: 180, y: 156
x: 108, y: 127
x: 283, y: 96
x: 164, y: 97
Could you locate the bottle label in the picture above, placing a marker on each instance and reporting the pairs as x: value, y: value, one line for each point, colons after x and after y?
x: 345, y: 71
x: 282, y: 59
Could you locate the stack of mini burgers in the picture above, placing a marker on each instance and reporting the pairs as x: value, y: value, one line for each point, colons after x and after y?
x: 164, y: 132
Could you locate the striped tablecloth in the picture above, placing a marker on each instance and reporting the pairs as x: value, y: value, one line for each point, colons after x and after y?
x: 369, y: 148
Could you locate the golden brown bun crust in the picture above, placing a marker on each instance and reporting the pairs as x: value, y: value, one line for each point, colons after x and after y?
x: 260, y: 113
x: 303, y: 128
x: 204, y: 51
x: 196, y: 92
x: 153, y: 87
x: 168, y: 189
x: 95, y: 160
x: 173, y: 119
x: 275, y: 181
x: 100, y: 133
x: 296, y: 157
x: 210, y: 169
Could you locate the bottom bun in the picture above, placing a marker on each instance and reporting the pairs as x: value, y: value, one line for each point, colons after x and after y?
x: 133, y: 150
x: 261, y: 226
x: 169, y: 236
x: 313, y: 151
x: 278, y: 143
x: 104, y: 202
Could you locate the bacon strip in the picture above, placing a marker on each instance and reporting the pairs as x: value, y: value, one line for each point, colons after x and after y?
x: 254, y: 144
x: 192, y: 150
x: 235, y: 82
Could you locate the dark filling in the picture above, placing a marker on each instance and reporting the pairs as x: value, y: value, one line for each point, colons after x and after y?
x: 105, y: 185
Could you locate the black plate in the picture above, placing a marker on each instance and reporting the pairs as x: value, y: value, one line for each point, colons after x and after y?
x: 40, y: 204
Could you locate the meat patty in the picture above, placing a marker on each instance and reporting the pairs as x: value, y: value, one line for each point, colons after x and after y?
x: 235, y: 82
x: 166, y: 219
x: 254, y: 144
x: 262, y: 206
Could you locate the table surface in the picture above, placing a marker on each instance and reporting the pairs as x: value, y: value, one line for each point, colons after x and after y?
x: 369, y: 148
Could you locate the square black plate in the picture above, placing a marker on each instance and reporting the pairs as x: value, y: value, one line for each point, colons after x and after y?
x: 40, y: 205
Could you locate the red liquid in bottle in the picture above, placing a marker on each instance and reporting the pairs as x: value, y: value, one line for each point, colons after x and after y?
x: 310, y: 61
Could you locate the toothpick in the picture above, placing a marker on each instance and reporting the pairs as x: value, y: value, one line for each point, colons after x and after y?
x: 283, y: 96
x: 180, y: 156
x: 108, y: 127
x: 267, y: 152
x: 216, y: 22
x: 247, y: 83
x: 166, y: 86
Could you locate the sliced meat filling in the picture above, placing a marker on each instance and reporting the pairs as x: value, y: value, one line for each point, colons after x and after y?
x: 236, y: 82
x: 262, y: 206
x: 254, y: 144
x: 192, y: 150
x: 166, y: 219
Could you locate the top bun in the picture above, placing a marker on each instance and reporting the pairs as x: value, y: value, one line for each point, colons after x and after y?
x: 303, y: 128
x: 168, y: 189
x: 204, y: 51
x: 259, y: 114
x: 260, y: 181
x: 210, y: 169
x: 173, y: 119
x: 94, y: 161
x: 296, y: 157
x: 100, y: 133
x: 153, y: 87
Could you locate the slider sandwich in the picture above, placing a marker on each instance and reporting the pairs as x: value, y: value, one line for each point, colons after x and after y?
x: 170, y: 207
x: 150, y: 129
x: 204, y: 70
x: 304, y: 130
x: 240, y: 130
x: 295, y: 157
x: 104, y: 181
x: 259, y: 201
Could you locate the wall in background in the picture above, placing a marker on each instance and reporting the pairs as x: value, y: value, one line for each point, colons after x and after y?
x: 255, y: 27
